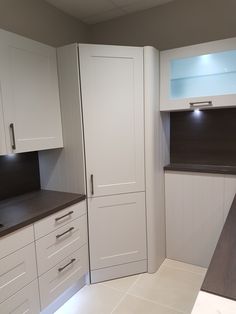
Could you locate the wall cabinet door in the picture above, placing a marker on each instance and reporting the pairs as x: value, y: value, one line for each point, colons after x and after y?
x: 194, y: 216
x: 29, y: 94
x: 112, y: 101
x: 199, y: 76
x: 117, y: 229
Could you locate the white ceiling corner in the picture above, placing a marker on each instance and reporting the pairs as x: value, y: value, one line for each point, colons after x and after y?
x: 95, y: 11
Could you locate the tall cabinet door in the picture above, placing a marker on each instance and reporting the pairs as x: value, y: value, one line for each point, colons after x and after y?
x: 30, y: 94
x: 112, y: 100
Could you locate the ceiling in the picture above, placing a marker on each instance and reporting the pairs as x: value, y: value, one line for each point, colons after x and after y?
x: 94, y: 11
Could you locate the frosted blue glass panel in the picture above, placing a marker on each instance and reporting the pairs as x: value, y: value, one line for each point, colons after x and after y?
x: 205, y: 75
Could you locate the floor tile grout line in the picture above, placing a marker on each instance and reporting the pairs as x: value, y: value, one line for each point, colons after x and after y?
x: 179, y: 268
x: 125, y: 295
x: 157, y: 303
x: 186, y: 270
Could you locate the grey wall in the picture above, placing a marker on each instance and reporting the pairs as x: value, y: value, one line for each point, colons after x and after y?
x: 40, y: 21
x: 176, y: 24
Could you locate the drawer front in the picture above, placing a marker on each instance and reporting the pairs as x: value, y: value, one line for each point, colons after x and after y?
x: 16, y: 271
x: 57, y: 245
x: 59, y: 219
x: 16, y: 240
x: 24, y: 301
x: 61, y: 277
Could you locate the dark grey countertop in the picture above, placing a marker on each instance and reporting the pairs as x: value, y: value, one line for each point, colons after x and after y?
x: 221, y: 275
x: 231, y: 170
x: 26, y: 209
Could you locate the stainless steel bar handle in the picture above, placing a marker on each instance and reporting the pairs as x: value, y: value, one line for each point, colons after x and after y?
x: 13, y: 145
x: 64, y: 216
x: 92, y: 185
x: 71, y: 262
x: 200, y: 104
x: 62, y: 234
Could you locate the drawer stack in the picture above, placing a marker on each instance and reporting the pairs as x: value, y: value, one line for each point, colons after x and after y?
x: 62, y: 251
x: 18, y: 273
x: 39, y: 262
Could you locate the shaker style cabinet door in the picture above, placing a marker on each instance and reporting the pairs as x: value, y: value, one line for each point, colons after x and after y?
x: 117, y: 230
x: 200, y: 76
x: 29, y: 94
x: 194, y: 216
x: 112, y: 101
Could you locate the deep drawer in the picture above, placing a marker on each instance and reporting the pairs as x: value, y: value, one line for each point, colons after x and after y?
x: 16, y: 271
x: 57, y: 245
x: 24, y: 301
x: 62, y: 276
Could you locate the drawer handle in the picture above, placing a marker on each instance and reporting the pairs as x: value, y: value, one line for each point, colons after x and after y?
x: 68, y: 214
x: 200, y: 104
x: 62, y: 234
x: 71, y: 262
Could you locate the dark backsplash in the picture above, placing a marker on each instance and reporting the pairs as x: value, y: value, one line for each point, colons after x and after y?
x: 19, y: 174
x: 205, y: 137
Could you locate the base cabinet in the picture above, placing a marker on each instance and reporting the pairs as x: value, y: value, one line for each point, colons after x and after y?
x: 196, y: 208
x: 24, y: 301
x: 16, y: 271
x: 35, y: 273
x: 117, y: 230
x: 64, y: 275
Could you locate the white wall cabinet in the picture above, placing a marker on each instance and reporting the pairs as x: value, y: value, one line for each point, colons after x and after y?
x: 196, y: 208
x: 29, y: 94
x: 113, y: 113
x: 199, y: 76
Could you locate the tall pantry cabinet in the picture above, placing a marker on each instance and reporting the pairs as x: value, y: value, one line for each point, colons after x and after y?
x: 113, y: 115
x: 112, y: 126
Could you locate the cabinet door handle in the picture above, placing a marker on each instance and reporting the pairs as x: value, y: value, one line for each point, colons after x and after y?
x: 200, y: 104
x: 92, y: 185
x: 64, y: 216
x: 62, y: 234
x: 13, y: 145
x: 71, y: 262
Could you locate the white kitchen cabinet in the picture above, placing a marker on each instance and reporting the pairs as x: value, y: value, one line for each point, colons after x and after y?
x: 57, y: 245
x: 24, y: 301
x: 196, y: 209
x: 59, y: 219
x: 113, y: 113
x: 63, y: 276
x: 194, y: 216
x: 117, y: 227
x: 199, y: 76
x: 29, y: 95
x: 16, y: 271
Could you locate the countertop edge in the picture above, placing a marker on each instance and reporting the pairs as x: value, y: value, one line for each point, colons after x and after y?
x: 214, y: 169
x: 8, y: 230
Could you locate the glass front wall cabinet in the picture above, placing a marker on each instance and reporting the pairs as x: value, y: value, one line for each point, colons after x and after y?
x: 201, y: 76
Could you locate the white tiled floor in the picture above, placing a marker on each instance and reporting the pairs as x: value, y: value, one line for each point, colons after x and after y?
x: 172, y: 290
